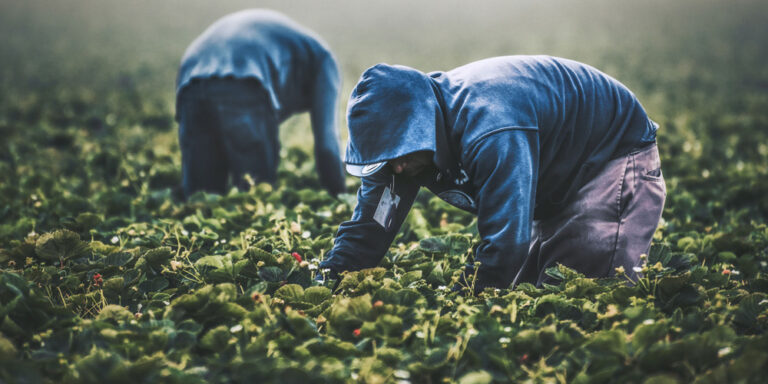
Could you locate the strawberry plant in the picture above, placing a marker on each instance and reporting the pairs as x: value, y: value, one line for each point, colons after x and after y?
x: 106, y: 274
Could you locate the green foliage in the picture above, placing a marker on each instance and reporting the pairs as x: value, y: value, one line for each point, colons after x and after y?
x: 59, y: 246
x: 108, y: 276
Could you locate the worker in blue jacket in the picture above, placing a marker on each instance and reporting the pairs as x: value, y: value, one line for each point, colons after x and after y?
x: 557, y: 159
x: 238, y: 81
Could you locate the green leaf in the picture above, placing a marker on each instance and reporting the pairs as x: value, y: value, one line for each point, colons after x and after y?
x: 434, y: 245
x: 216, y: 261
x: 7, y: 349
x: 555, y: 273
x: 88, y: 220
x: 437, y: 275
x: 301, y: 326
x: 410, y: 277
x: 271, y: 274
x: 582, y: 287
x: 348, y: 314
x: 647, y: 334
x: 291, y: 293
x: 747, y: 313
x: 661, y: 379
x: 158, y: 256
x: 300, y: 276
x: 155, y: 284
x: 317, y: 295
x: 608, y: 342
x: 410, y: 298
x: 389, y: 325
x: 60, y: 245
x: 217, y: 339
x: 451, y: 245
x: 671, y: 285
x: 476, y: 377
x: 116, y: 313
x: 114, y: 285
x: 118, y: 259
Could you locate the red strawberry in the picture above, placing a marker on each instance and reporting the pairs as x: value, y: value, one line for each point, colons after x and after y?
x: 97, y: 279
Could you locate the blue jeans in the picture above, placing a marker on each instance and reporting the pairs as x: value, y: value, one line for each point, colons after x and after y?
x: 227, y: 128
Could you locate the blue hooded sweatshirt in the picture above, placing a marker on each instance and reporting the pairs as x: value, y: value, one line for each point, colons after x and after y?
x: 293, y: 64
x: 513, y: 139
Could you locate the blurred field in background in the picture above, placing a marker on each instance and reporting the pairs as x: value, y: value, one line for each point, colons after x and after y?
x: 675, y: 55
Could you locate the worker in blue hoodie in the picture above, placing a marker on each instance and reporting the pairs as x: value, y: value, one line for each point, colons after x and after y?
x: 238, y: 81
x: 557, y: 160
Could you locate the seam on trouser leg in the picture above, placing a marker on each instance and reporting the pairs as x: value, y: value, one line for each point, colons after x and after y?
x: 622, y: 180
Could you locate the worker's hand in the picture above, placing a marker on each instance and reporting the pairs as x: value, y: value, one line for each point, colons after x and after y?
x: 330, y: 276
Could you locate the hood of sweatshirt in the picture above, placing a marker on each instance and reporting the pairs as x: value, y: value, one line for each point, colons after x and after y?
x: 393, y: 111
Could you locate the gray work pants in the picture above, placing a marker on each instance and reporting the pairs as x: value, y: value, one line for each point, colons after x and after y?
x: 609, y: 223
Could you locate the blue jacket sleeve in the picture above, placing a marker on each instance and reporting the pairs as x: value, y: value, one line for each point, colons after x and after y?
x: 503, y: 168
x: 325, y: 92
x: 361, y: 242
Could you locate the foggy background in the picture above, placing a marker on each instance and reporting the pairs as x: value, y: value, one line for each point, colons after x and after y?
x: 663, y: 50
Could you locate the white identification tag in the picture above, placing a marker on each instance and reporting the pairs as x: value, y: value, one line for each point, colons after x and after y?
x: 385, y: 212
